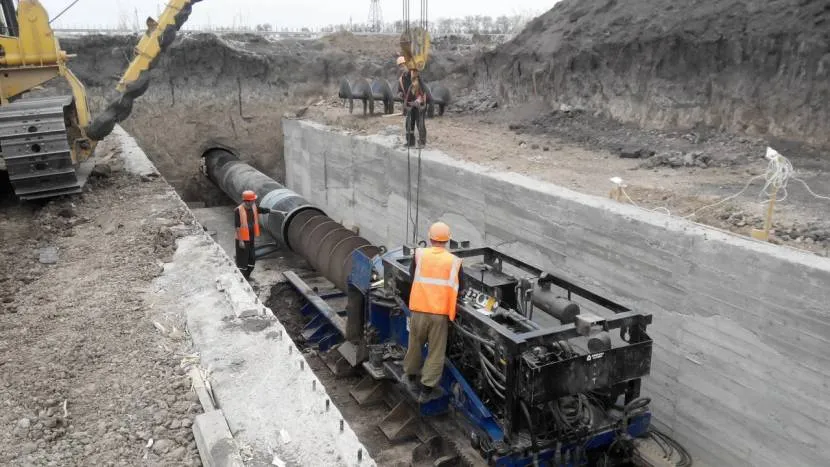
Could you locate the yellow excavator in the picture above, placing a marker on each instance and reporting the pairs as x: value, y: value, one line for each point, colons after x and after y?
x: 47, y: 143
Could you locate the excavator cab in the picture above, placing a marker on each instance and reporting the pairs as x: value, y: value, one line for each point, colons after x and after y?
x: 9, y: 25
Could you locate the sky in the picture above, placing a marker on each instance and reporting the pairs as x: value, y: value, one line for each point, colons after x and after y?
x: 289, y: 13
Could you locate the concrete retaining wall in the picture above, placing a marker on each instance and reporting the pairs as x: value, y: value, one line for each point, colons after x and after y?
x: 741, y: 368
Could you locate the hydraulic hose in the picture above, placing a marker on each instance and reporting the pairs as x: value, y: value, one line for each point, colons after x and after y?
x: 533, y: 442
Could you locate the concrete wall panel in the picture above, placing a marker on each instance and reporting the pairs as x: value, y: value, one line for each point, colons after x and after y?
x: 741, y: 328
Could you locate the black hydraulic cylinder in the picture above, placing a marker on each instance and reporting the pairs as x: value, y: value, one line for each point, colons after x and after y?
x: 294, y: 222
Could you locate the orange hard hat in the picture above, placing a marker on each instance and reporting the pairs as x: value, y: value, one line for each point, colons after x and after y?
x: 401, y: 60
x: 439, y: 232
x: 248, y: 195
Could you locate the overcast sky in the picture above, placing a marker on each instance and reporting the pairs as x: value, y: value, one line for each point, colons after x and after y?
x: 281, y: 13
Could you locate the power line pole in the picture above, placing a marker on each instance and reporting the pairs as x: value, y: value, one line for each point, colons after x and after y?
x: 375, y: 16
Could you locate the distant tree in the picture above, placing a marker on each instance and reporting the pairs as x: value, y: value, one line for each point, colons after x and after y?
x: 470, y: 25
x: 503, y: 24
x: 445, y: 25
x: 487, y: 25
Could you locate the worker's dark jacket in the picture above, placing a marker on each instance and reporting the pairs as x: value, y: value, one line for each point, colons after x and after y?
x: 250, y: 216
x: 407, y: 83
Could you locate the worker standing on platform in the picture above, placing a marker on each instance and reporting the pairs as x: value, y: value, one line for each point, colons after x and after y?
x: 414, y: 104
x: 246, y: 219
x: 436, y: 281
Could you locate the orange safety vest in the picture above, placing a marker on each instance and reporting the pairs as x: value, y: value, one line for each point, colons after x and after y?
x: 242, y: 233
x: 435, y: 284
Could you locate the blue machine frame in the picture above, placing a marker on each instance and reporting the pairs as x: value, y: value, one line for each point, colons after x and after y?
x: 389, y: 320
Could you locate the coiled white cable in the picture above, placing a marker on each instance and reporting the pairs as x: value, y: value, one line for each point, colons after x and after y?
x: 777, y: 176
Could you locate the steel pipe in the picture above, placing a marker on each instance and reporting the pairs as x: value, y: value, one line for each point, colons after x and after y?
x: 294, y: 222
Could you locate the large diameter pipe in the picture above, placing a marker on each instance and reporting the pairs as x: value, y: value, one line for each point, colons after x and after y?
x: 294, y: 222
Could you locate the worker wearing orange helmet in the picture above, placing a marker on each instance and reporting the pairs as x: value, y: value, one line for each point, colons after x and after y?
x: 247, y: 230
x: 436, y: 281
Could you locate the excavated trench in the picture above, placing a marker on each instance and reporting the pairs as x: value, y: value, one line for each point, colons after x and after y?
x: 234, y: 91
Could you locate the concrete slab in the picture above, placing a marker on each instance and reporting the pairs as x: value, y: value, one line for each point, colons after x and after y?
x: 217, y: 447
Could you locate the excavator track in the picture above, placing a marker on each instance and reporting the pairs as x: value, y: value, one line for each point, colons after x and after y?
x: 35, y: 148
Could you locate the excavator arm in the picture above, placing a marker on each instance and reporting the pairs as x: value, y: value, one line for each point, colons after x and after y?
x: 46, y: 142
x: 135, y: 81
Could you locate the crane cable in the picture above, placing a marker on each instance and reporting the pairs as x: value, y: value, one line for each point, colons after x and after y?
x: 64, y: 11
x: 409, y: 220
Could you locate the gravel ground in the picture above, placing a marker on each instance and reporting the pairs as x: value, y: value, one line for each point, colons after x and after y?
x: 86, y: 377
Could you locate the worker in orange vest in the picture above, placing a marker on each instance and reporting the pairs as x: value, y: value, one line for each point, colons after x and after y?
x: 247, y: 230
x: 436, y: 280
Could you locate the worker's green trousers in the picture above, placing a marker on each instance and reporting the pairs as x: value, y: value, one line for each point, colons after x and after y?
x: 423, y: 328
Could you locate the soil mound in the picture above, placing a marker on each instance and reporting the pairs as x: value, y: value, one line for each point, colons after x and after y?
x: 760, y: 67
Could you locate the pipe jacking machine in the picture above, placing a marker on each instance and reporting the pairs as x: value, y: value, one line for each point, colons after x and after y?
x: 539, y: 370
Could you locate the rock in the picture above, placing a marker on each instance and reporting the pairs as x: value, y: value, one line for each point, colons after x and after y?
x: 28, y: 448
x: 161, y: 446
x: 24, y: 424
x: 635, y: 153
x: 186, y: 423
x: 546, y: 149
x: 534, y: 146
x: 178, y: 453
x: 101, y: 171
x: 48, y: 255
x: 109, y: 223
x: 68, y: 212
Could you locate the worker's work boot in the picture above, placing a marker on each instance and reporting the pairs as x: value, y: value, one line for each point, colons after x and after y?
x: 427, y: 394
x: 411, y: 382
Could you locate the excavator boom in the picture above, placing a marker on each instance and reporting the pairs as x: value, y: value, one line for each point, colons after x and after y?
x: 135, y: 81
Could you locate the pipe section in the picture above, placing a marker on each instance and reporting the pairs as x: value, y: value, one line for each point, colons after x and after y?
x: 294, y: 222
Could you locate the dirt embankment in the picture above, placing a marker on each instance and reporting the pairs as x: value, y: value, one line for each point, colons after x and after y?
x: 756, y: 67
x: 232, y: 88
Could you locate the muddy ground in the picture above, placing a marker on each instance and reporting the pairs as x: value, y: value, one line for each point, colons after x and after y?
x: 85, y: 376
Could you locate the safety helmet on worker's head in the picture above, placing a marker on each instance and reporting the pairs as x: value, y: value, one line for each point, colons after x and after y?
x: 439, y: 232
x: 248, y: 195
x: 401, y: 60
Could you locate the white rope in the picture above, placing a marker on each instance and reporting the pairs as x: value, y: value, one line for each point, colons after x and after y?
x: 810, y: 190
x: 776, y: 178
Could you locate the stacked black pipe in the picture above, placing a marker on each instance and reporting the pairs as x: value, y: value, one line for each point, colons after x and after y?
x: 294, y: 222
